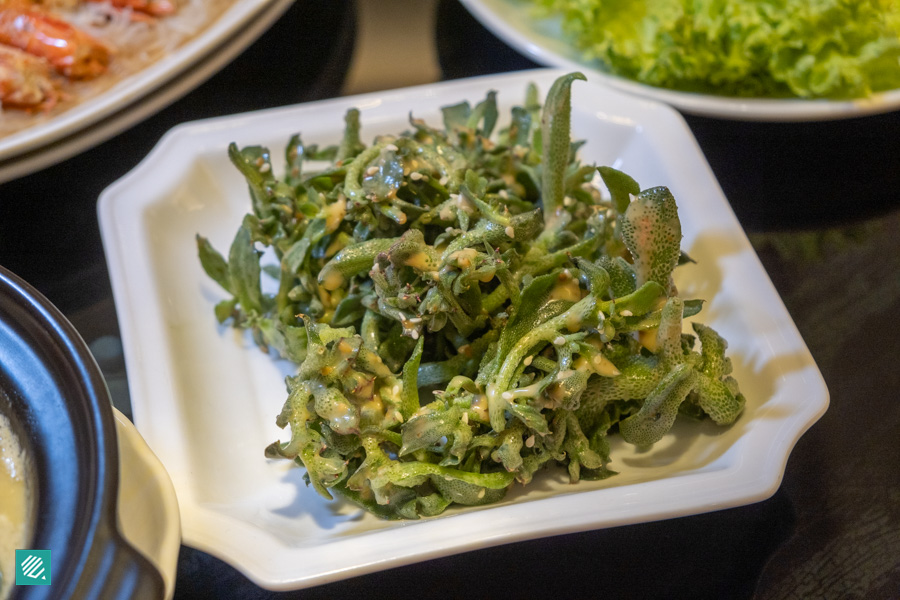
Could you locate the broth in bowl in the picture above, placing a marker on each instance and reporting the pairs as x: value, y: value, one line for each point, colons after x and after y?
x: 14, y: 505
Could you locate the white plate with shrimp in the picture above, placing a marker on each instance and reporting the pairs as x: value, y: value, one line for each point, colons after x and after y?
x: 75, y: 139
x: 206, y: 400
x: 122, y: 55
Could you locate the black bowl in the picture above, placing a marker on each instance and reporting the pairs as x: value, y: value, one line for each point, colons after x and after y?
x: 55, y: 395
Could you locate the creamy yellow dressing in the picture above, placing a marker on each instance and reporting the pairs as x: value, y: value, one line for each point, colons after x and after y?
x: 464, y: 257
x: 420, y: 261
x: 566, y: 288
x: 14, y: 522
x: 331, y: 279
x: 649, y: 340
x: 480, y: 406
x: 334, y: 214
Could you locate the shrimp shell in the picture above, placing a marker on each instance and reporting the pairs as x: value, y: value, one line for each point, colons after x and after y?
x: 70, y: 51
x: 25, y: 81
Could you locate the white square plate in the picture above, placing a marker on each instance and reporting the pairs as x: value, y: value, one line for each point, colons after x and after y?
x: 205, y: 398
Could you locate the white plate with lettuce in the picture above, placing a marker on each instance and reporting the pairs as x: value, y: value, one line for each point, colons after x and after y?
x: 205, y: 397
x: 544, y: 40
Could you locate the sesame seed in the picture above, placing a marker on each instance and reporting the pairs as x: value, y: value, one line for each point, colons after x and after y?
x: 265, y: 168
x: 528, y: 360
x: 559, y: 341
x: 626, y: 313
x: 415, y: 176
x: 395, y: 390
x: 391, y: 148
x: 507, y: 395
x: 414, y: 335
x: 372, y: 170
x: 510, y: 231
x: 529, y: 441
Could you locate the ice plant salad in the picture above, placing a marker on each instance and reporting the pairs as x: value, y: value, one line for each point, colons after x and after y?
x: 466, y: 310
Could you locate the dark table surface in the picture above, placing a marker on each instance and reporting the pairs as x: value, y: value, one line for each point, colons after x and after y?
x: 821, y: 204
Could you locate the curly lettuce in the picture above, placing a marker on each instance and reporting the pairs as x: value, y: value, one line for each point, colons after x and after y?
x: 838, y: 49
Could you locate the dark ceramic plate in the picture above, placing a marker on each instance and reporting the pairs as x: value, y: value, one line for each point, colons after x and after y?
x: 59, y: 406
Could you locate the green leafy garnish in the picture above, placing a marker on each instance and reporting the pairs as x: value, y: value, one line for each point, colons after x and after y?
x: 774, y: 48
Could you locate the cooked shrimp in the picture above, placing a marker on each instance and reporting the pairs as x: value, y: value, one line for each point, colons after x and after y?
x: 69, y: 50
x: 156, y: 8
x: 25, y: 81
x: 139, y: 8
